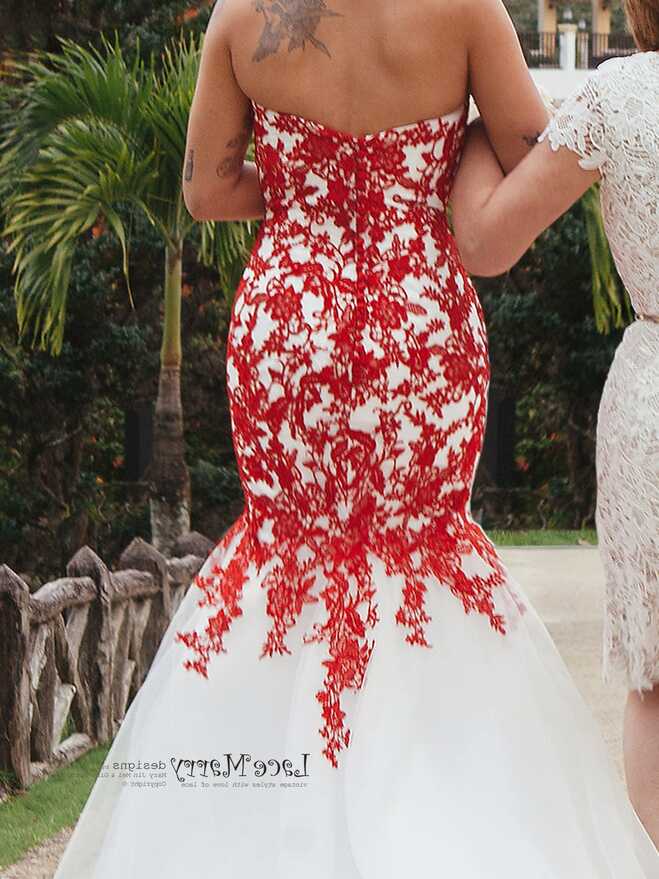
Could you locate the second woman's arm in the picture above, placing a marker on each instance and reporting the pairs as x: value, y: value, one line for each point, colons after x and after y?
x: 496, y: 218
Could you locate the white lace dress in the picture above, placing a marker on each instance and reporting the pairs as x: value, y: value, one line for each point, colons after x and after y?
x: 612, y: 123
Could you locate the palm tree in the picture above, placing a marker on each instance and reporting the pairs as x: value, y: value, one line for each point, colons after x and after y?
x: 93, y: 132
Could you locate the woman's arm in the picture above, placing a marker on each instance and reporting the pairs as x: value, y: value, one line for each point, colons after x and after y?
x: 218, y: 184
x: 509, y: 103
x: 496, y: 217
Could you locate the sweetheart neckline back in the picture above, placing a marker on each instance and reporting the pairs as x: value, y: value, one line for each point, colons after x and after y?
x: 453, y: 115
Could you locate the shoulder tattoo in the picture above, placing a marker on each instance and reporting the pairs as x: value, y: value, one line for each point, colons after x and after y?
x: 292, y: 20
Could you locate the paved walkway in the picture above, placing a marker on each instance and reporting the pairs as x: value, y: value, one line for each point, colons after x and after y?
x: 565, y: 584
x: 566, y: 587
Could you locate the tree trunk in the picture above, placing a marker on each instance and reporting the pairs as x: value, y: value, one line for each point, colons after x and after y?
x: 167, y: 472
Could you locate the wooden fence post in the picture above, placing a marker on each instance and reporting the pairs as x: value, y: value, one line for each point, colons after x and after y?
x: 96, y: 656
x: 14, y: 677
x: 80, y: 647
x: 142, y: 556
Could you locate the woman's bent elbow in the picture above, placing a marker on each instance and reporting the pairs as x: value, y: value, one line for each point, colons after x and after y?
x: 483, y: 266
x: 466, y: 242
x: 472, y: 252
x: 195, y: 206
x: 478, y: 258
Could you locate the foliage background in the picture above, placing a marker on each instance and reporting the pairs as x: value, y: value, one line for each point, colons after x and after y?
x: 35, y: 22
x: 547, y: 355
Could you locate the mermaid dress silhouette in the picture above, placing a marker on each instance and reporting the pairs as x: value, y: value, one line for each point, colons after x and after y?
x: 354, y: 687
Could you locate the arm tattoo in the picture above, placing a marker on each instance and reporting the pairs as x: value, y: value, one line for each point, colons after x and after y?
x: 189, y: 165
x: 295, y: 20
x: 531, y: 140
x: 232, y: 162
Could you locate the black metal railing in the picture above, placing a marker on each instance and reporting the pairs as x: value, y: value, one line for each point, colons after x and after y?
x: 583, y: 50
x: 603, y: 46
x: 541, y: 49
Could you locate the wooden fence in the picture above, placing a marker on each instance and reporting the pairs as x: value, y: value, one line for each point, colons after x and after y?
x: 80, y: 647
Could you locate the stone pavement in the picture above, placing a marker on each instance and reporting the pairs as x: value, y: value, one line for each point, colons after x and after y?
x: 565, y: 585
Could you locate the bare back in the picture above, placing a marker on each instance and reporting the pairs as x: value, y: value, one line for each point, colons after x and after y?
x: 357, y: 67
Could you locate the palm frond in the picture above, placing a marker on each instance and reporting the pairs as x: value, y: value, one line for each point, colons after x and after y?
x: 87, y: 168
x: 167, y: 112
x: 226, y: 246
x: 91, y: 131
x: 611, y: 305
x: 223, y: 245
x: 75, y: 83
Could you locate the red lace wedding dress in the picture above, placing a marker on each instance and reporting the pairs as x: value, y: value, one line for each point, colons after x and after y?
x: 353, y: 687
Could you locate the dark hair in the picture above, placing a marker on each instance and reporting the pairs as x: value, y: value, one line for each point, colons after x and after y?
x: 643, y: 18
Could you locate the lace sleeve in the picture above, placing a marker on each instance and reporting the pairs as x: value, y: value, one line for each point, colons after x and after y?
x: 580, y: 122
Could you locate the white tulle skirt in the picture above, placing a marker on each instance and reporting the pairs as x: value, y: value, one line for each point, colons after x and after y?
x: 476, y: 758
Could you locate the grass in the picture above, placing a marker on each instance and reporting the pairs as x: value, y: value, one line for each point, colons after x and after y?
x: 542, y: 538
x: 47, y: 806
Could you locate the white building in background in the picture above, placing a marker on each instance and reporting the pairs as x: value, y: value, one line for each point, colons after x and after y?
x: 560, y: 81
x: 562, y: 52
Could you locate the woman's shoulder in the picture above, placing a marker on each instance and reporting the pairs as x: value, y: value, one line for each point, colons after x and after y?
x: 639, y: 65
x: 615, y: 83
x: 608, y: 110
x: 627, y: 89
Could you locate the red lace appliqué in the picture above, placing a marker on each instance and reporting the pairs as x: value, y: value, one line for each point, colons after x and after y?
x: 357, y: 373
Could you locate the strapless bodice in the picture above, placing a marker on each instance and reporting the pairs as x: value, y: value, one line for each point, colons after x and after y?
x: 322, y: 171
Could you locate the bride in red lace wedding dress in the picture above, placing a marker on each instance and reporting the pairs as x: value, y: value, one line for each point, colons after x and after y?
x: 354, y: 687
